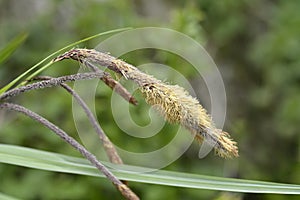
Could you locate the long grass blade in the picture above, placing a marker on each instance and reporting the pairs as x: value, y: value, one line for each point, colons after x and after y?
x: 9, y: 85
x: 7, y: 197
x: 12, y: 46
x: 43, y: 160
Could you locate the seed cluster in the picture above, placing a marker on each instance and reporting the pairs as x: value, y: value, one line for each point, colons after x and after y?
x: 174, y: 102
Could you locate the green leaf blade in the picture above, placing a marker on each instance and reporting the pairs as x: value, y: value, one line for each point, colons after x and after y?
x: 21, y: 76
x: 7, y: 197
x: 37, y: 159
x: 12, y: 46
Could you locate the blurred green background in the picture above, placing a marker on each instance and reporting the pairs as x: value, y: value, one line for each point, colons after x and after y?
x: 255, y: 44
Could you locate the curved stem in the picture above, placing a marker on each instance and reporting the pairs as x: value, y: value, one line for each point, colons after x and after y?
x: 104, y: 76
x: 108, y: 146
x: 124, y: 189
x: 49, y: 83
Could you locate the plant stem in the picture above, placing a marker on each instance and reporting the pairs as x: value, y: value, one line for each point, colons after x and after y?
x: 124, y: 189
x: 113, y: 84
x: 49, y: 83
x: 108, y: 146
x: 104, y: 76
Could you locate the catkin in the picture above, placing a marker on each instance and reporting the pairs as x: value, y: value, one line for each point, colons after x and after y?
x: 174, y: 102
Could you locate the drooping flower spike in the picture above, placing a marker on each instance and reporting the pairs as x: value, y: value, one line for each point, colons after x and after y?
x: 173, y: 101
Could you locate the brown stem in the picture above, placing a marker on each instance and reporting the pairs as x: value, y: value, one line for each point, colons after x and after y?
x: 49, y: 83
x: 113, y: 84
x: 124, y: 189
x: 108, y: 146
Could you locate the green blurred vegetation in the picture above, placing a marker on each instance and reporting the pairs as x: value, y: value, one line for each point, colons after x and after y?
x: 255, y: 44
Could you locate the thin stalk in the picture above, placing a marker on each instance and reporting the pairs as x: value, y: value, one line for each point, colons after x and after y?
x: 113, y: 84
x: 108, y: 146
x: 49, y: 83
x: 124, y: 189
x: 9, y: 85
x: 80, y: 76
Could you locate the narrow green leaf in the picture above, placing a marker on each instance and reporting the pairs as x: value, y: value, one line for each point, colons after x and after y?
x: 12, y: 46
x: 33, y: 158
x: 6, y: 197
x: 9, y: 85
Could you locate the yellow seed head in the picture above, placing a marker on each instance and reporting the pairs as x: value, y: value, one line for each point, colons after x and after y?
x: 173, y: 101
x: 178, y: 106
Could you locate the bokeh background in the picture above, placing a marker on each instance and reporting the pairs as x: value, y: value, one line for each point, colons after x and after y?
x: 255, y: 44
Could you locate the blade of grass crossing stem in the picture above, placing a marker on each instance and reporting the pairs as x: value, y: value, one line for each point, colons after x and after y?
x: 33, y: 158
